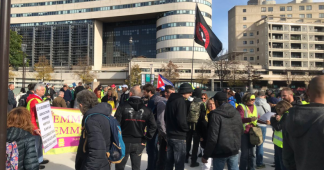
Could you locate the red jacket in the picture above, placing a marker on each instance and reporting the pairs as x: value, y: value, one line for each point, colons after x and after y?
x: 33, y: 113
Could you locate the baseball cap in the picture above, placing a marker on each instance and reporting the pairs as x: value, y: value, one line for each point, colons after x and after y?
x: 228, y: 88
x: 252, y: 97
x: 124, y: 86
x: 113, y: 85
x: 221, y: 96
x: 261, y: 93
x: 70, y: 86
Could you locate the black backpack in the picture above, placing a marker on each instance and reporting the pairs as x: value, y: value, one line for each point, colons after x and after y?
x: 22, y: 101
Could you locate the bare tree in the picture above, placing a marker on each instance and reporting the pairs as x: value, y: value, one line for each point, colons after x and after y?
x: 170, y: 71
x: 43, y: 69
x: 204, y: 75
x: 83, y: 71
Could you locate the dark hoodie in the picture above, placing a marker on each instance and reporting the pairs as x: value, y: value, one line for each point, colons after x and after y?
x: 176, y: 117
x: 27, y: 159
x: 133, y: 117
x: 224, y: 132
x: 98, y: 137
x: 303, y: 137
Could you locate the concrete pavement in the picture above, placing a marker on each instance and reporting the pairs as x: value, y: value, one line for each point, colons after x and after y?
x: 66, y: 161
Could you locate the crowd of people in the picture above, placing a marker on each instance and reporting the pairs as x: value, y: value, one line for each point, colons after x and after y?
x: 178, y: 127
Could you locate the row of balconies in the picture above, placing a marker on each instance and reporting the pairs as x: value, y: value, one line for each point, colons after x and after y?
x: 296, y: 28
x: 296, y: 46
x: 296, y: 37
x: 277, y: 63
x: 279, y: 54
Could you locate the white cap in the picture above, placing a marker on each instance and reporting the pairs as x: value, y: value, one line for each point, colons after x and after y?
x: 124, y: 86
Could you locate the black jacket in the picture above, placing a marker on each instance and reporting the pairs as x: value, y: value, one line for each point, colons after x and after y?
x: 107, y: 98
x: 25, y: 97
x: 124, y: 97
x: 133, y: 117
x: 77, y: 90
x: 98, y: 139
x: 303, y: 137
x: 11, y: 98
x: 27, y: 159
x: 224, y: 132
x: 238, y: 98
x: 175, y: 117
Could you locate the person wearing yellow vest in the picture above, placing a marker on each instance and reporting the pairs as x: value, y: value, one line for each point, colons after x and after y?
x: 277, y: 123
x: 32, y: 100
x: 109, y: 98
x: 99, y: 96
x: 249, y: 114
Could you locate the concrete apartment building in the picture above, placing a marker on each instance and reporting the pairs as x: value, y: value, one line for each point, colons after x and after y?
x: 286, y: 40
x: 105, y: 33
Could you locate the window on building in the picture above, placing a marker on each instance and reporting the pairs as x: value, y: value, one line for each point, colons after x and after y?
x: 244, y: 26
x: 244, y: 10
x: 289, y: 15
x: 282, y: 8
x: 258, y: 41
x: 251, y: 33
x: 263, y: 16
x: 301, y: 8
x: 145, y: 69
x: 202, y: 71
x: 321, y: 7
x: 258, y: 58
x: 251, y: 42
x: 245, y: 58
x: 270, y: 9
x: 257, y: 32
x: 251, y: 58
x: 257, y: 49
x: 309, y: 15
x: 263, y: 9
x: 308, y: 7
x: 301, y: 15
x: 244, y: 18
x: 289, y: 8
x: 244, y: 34
x: 321, y: 15
x: 282, y: 17
x: 244, y: 50
x: 270, y: 17
x: 244, y: 42
x: 251, y: 50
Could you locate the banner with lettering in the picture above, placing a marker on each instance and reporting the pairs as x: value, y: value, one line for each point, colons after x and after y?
x: 67, y: 125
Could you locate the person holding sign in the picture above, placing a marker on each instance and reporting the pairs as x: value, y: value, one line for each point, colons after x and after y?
x: 32, y: 100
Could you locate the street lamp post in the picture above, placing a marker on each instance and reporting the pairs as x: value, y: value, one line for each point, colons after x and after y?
x: 23, y: 49
x: 130, y: 59
x: 61, y: 61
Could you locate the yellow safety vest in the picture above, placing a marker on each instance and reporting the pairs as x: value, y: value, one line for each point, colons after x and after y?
x: 277, y: 137
x: 28, y: 104
x: 102, y: 94
x: 304, y: 102
x: 99, y: 100
x: 246, y: 115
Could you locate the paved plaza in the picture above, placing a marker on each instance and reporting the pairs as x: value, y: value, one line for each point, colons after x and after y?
x: 66, y: 161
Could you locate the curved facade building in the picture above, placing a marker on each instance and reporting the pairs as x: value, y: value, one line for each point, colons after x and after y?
x: 104, y: 32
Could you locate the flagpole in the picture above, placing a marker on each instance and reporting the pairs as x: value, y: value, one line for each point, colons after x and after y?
x: 193, y: 48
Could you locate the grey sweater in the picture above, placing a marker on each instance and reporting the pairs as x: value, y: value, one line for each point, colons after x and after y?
x: 161, y: 103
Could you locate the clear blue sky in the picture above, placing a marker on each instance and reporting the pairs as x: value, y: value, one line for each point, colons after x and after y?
x: 220, y: 18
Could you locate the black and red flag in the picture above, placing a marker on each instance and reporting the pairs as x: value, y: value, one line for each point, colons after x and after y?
x: 205, y: 36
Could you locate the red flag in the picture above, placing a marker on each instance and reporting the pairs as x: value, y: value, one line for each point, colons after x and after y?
x: 160, y: 82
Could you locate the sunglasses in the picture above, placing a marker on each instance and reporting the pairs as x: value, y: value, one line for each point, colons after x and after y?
x: 252, y: 99
x: 203, y: 98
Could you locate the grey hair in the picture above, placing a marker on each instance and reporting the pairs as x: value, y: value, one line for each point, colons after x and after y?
x: 61, y: 93
x: 38, y: 86
x: 136, y: 91
x: 87, y: 99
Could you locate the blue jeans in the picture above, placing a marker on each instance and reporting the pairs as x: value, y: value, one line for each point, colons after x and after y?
x: 247, y: 161
x: 176, y: 154
x: 152, y: 152
x: 259, y: 149
x: 39, y: 148
x: 232, y: 163
x: 278, y: 159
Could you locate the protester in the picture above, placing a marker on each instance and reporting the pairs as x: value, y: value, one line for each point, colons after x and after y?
x: 272, y: 100
x: 99, y: 96
x: 19, y: 130
x: 238, y: 96
x: 67, y: 95
x: 104, y: 92
x: 77, y: 90
x: 52, y: 92
x: 114, y: 92
x: 125, y: 95
x: 197, y: 107
x: 151, y: 146
x: 224, y: 126
x: 21, y: 93
x: 32, y: 100
x: 11, y: 98
x: 22, y: 101
x: 249, y: 114
x: 47, y: 97
x: 47, y: 91
x: 204, y: 98
x: 303, y: 133
x: 262, y: 108
x: 175, y: 118
x: 88, y: 88
x: 109, y: 98
x: 161, y: 126
x: 202, y: 130
x: 72, y: 95
x: 288, y: 95
x: 59, y: 100
x: 133, y: 131
x: 231, y: 99
x: 96, y: 136
x: 99, y: 88
x: 277, y: 123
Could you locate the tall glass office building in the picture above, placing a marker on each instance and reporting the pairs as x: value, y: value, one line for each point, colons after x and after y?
x: 105, y: 32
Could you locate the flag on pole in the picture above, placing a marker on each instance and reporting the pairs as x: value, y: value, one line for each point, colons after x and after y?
x: 162, y: 82
x: 205, y: 36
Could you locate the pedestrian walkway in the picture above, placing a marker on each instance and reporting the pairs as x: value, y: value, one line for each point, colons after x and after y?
x: 66, y: 161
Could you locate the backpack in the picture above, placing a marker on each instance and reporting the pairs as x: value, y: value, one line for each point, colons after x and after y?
x: 194, y: 112
x: 12, y: 156
x: 22, y: 101
x: 256, y: 136
x: 116, y: 151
